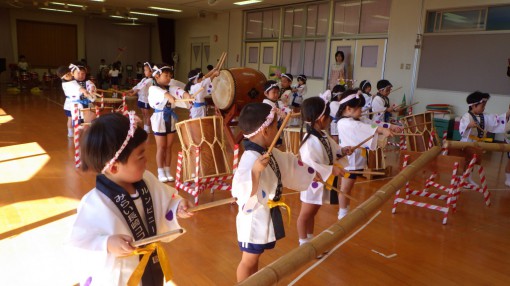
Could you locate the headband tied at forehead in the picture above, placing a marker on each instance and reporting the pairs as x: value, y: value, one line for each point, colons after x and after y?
x: 271, y: 87
x: 350, y: 97
x: 131, y: 133
x: 157, y: 70
x: 267, y: 122
x: 287, y: 76
x: 194, y: 77
x: 73, y: 67
x: 364, y: 84
x: 478, y: 102
x: 147, y: 64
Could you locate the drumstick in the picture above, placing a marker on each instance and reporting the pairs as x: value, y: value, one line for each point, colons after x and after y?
x: 393, y: 90
x: 407, y: 106
x: 212, y: 205
x: 297, y: 114
x: 337, y: 190
x: 156, y: 238
x: 363, y: 142
x: 223, y: 61
x: 184, y: 99
x: 220, y: 61
x: 279, y: 132
x: 366, y: 173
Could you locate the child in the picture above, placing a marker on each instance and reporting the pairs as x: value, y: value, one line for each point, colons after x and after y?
x: 300, y: 91
x: 366, y: 87
x: 22, y: 64
x: 199, y: 85
x: 381, y: 102
x: 474, y: 124
x: 352, y: 131
x: 127, y: 204
x: 272, y: 93
x: 286, y: 90
x: 162, y: 99
x: 318, y: 151
x: 80, y: 75
x: 334, y: 105
x: 73, y: 92
x: 258, y: 189
x: 142, y: 88
x: 114, y: 76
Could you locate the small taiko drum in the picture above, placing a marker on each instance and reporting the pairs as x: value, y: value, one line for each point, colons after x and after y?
x: 292, y: 139
x: 24, y: 76
x: 238, y: 85
x: 114, y: 103
x: 89, y: 114
x: 207, y: 134
x: 34, y: 76
x: 421, y: 126
x: 46, y: 77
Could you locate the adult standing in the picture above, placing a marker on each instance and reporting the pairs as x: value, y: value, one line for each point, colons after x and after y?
x: 337, y: 72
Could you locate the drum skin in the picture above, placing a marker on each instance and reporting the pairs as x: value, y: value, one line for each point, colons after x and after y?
x: 238, y: 85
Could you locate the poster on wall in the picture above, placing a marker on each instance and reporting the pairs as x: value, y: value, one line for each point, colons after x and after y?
x: 275, y: 72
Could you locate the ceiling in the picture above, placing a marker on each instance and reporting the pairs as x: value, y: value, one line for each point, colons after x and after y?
x: 124, y: 8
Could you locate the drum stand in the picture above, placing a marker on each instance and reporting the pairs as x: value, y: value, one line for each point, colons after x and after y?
x: 228, y: 122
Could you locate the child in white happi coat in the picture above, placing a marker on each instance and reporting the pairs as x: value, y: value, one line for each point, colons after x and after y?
x: 366, y: 87
x: 319, y: 151
x: 162, y: 99
x: 475, y: 124
x: 142, y: 89
x: 80, y: 75
x: 381, y: 103
x: 74, y: 93
x: 299, y: 91
x: 286, y: 90
x: 127, y: 204
x: 352, y: 131
x: 334, y: 105
x: 199, y: 86
x: 258, y: 188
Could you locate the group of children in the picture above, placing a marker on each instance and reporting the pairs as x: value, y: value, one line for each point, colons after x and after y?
x: 130, y: 203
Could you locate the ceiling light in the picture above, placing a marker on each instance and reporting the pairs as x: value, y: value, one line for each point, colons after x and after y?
x: 97, y: 0
x: 164, y: 9
x: 65, y: 4
x: 57, y: 10
x: 121, y: 17
x: 248, y: 2
x: 145, y: 14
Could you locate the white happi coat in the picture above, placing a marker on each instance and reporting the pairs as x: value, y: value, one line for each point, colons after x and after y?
x: 72, y: 91
x: 197, y: 112
x: 98, y: 218
x: 158, y: 101
x: 351, y: 132
x: 143, y: 89
x: 493, y: 123
x: 315, y: 155
x: 254, y: 223
x: 333, y: 106
x: 379, y: 106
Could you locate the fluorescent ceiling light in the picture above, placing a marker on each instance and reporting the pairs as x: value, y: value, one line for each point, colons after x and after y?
x: 248, y: 2
x: 56, y: 10
x: 165, y: 9
x: 64, y: 4
x: 97, y: 0
x: 121, y: 17
x: 145, y: 14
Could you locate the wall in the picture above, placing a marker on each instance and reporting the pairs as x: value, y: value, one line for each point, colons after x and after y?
x: 6, y: 50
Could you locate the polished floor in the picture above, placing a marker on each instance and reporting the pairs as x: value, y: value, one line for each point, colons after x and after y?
x: 40, y: 189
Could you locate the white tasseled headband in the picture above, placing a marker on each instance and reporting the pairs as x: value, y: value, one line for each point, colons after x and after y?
x: 194, y: 77
x: 269, y: 120
x: 131, y: 133
x: 481, y: 101
x: 349, y: 97
x: 285, y: 75
x: 147, y: 64
x: 271, y: 87
x: 364, y: 84
x: 73, y: 67
x: 157, y: 70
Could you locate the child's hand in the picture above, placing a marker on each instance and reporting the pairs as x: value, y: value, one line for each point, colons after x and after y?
x: 182, y: 209
x: 472, y: 124
x: 337, y: 171
x: 396, y: 129
x: 318, y: 177
x: 120, y: 244
x: 261, y: 163
x: 347, y: 150
x: 170, y: 98
x: 386, y: 132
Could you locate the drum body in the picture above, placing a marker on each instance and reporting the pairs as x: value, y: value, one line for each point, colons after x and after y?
x: 292, y: 139
x: 206, y: 134
x: 24, y: 76
x: 89, y: 114
x: 114, y: 103
x: 238, y: 85
x: 422, y: 126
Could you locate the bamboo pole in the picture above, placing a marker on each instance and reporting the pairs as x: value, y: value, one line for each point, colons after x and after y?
x: 494, y: 147
x: 279, y: 132
x: 298, y: 257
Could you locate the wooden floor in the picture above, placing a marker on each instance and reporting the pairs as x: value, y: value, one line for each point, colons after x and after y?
x: 40, y: 187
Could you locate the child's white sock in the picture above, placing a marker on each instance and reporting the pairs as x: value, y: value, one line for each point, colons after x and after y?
x: 70, y: 132
x: 507, y: 181
x: 342, y: 213
x: 168, y: 175
x: 303, y: 241
x: 147, y: 128
x: 162, y: 176
x: 309, y: 236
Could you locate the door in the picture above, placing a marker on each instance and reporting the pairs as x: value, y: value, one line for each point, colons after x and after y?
x: 252, y: 55
x: 369, y: 60
x: 348, y: 47
x: 261, y: 56
x: 200, y: 54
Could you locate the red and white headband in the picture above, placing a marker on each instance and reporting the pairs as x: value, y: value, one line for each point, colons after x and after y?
x: 131, y: 133
x: 269, y: 120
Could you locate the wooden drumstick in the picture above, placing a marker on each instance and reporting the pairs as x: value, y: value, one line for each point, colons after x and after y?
x: 366, y: 173
x: 407, y: 106
x: 336, y: 190
x: 156, y: 238
x: 270, y: 149
x: 212, y: 205
x: 221, y: 60
x: 363, y: 142
x: 184, y: 99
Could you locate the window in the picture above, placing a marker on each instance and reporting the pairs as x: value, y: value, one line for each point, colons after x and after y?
x: 456, y: 21
x: 294, y: 22
x: 375, y: 16
x: 346, y: 18
x: 264, y: 24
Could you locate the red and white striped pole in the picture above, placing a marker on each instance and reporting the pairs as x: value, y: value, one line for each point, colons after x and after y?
x: 236, y: 158
x: 431, y: 139
x: 76, y: 121
x: 124, y: 105
x: 197, y: 169
x: 444, y: 150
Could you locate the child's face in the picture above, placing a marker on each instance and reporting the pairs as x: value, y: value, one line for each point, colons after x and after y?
x: 163, y: 78
x: 79, y: 75
x: 273, y: 94
x: 324, y: 121
x: 354, y: 112
x: 285, y: 82
x: 147, y: 71
x: 385, y: 91
x: 367, y: 90
x: 68, y: 76
x: 478, y: 108
x: 270, y: 132
x: 301, y: 82
x: 132, y: 171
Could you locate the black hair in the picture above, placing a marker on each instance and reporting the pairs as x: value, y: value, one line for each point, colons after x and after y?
x: 340, y: 53
x: 476, y: 96
x: 252, y: 116
x: 62, y: 71
x: 269, y: 83
x: 302, y: 77
x: 80, y: 66
x: 311, y: 110
x: 191, y: 74
x: 353, y: 103
x: 210, y: 67
x: 337, y: 92
x: 383, y: 83
x: 364, y: 84
x: 288, y: 76
x: 169, y: 69
x: 104, y: 138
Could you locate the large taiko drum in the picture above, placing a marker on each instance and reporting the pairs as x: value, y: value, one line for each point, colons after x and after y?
x: 207, y: 134
x: 420, y: 128
x: 238, y: 85
x: 292, y: 139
